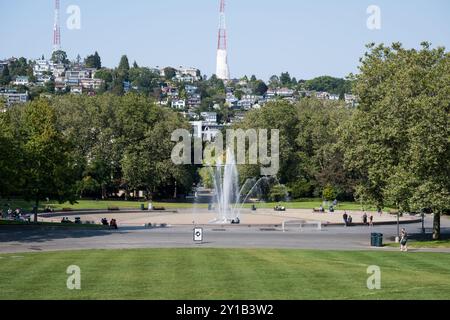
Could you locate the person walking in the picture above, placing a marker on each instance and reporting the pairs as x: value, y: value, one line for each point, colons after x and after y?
x: 403, y: 241
x: 371, y: 220
x: 349, y: 220
x: 345, y: 217
x: 364, y: 218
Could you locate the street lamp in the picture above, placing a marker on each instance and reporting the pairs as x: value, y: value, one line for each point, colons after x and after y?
x: 423, y: 222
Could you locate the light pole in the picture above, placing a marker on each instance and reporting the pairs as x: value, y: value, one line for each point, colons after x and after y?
x: 423, y: 222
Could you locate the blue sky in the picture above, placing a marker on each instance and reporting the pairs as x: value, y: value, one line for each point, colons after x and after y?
x: 306, y: 38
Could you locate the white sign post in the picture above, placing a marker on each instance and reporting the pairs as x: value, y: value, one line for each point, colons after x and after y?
x: 198, y: 235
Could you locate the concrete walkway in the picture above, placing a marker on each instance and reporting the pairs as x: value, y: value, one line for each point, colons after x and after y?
x: 330, y: 238
x: 187, y: 217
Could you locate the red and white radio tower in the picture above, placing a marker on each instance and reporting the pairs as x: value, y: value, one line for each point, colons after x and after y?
x: 222, y: 70
x: 56, y: 29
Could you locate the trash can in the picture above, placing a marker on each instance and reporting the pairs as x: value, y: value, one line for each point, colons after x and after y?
x: 373, y: 239
x: 379, y: 242
x: 376, y: 239
x: 142, y: 206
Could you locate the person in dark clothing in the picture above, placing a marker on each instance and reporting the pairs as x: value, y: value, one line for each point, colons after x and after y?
x: 113, y: 224
x: 404, y: 241
x: 365, y: 218
x: 345, y: 217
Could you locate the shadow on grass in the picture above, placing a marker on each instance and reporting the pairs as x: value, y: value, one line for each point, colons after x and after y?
x: 39, y: 234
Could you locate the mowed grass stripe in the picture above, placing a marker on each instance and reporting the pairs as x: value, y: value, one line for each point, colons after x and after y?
x: 224, y: 274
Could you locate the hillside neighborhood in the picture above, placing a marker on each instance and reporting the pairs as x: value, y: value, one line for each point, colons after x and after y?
x: 209, y: 103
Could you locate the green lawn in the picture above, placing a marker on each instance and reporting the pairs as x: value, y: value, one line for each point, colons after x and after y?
x: 102, y: 205
x: 224, y: 274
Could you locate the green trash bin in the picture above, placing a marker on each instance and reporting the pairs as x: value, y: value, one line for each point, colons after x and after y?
x: 379, y: 240
x: 373, y: 239
x: 142, y: 206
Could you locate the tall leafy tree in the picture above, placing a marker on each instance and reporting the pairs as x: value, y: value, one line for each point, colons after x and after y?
x: 49, y: 170
x: 11, y: 156
x: 123, y: 69
x: 398, y: 139
x: 5, y: 77
x: 93, y: 61
x: 59, y: 56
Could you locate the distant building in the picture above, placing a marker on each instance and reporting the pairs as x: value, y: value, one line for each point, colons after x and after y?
x: 41, y: 67
x: 21, y: 81
x: 351, y: 100
x: 190, y: 90
x: 179, y: 104
x: 334, y: 97
x: 205, y: 131
x: 231, y: 100
x: 210, y: 117
x: 76, y: 90
x: 194, y: 100
x: 271, y: 94
x: 285, y: 92
x: 12, y: 97
x: 92, y: 84
x: 322, y: 95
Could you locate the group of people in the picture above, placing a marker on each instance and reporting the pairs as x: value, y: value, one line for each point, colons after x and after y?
x: 367, y: 220
x: 112, y: 223
x: 348, y: 219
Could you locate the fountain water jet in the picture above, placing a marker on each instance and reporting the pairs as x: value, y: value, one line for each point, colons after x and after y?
x: 229, y: 199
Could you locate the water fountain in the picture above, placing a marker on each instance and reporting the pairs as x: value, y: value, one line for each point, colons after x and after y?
x: 229, y: 200
x: 226, y: 185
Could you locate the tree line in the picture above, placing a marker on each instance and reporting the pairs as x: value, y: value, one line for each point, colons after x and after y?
x: 71, y: 147
x: 393, y: 150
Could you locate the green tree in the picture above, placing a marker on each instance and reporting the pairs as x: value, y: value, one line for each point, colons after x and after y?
x: 93, y: 61
x: 329, y: 84
x: 49, y: 172
x: 10, y: 157
x: 285, y: 79
x: 329, y: 193
x: 169, y: 73
x: 260, y: 88
x: 5, y: 78
x: 59, y: 56
x: 397, y: 141
x: 123, y: 69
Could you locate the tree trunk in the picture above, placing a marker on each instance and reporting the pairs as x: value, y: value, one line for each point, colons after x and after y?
x: 36, y: 208
x: 437, y: 226
x: 175, y: 191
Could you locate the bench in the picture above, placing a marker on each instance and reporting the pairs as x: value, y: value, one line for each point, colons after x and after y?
x: 158, y: 209
x: 113, y: 209
x: 302, y: 224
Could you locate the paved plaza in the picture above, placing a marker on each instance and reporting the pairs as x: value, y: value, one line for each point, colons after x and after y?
x: 132, y: 235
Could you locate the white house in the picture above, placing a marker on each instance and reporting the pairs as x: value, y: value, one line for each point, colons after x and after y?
x: 210, y: 117
x: 21, y: 81
x: 179, y: 104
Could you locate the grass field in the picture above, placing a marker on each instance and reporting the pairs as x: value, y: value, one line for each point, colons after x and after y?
x: 102, y: 205
x: 224, y: 274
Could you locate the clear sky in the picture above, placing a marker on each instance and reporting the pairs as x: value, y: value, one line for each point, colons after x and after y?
x: 306, y: 38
